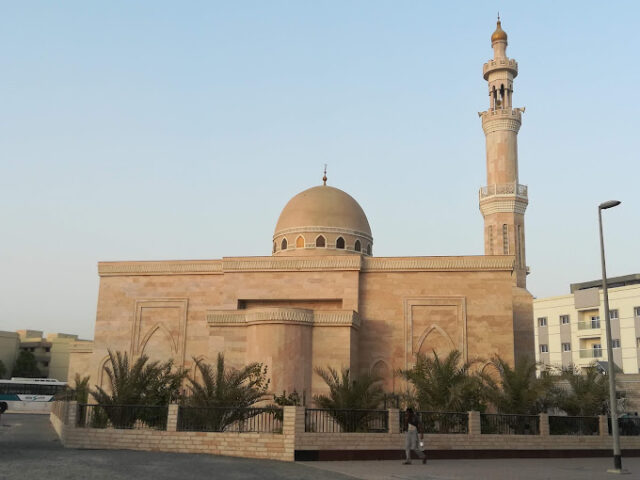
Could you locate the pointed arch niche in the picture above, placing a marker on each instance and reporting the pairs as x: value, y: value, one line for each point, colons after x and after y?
x: 434, y: 323
x: 159, y: 329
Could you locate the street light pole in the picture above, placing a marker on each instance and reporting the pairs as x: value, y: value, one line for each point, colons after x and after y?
x: 613, y: 404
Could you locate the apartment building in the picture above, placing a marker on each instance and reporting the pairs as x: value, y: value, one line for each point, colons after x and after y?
x: 570, y: 329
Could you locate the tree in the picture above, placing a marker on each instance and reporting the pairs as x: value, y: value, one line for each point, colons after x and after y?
x: 445, y: 385
x: 224, y: 395
x: 142, y: 383
x: 26, y: 366
x: 587, y: 394
x: 518, y: 390
x: 350, y: 401
x: 3, y: 369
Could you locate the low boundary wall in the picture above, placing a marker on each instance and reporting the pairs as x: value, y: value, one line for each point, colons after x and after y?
x: 296, y: 444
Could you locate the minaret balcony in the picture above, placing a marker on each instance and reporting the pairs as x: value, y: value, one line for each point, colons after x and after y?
x: 500, y: 64
x: 510, y: 189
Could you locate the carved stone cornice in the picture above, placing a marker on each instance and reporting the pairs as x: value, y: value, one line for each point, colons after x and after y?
x: 171, y: 267
x: 287, y: 264
x: 299, y: 316
x: 403, y: 264
x: 503, y: 204
x: 306, y: 264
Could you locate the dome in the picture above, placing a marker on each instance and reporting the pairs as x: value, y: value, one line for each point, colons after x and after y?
x: 322, y: 218
x: 499, y: 34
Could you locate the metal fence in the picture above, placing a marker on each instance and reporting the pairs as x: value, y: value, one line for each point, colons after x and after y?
x: 136, y: 417
x: 345, y: 421
x: 440, y: 422
x: 563, y: 425
x: 229, y: 419
x: 627, y: 426
x: 502, y: 424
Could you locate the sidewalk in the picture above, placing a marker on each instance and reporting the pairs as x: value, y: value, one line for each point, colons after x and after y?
x: 495, y: 469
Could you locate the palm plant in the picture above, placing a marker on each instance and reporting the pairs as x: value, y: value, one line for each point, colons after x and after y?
x: 224, y: 395
x: 518, y: 390
x: 445, y: 385
x: 79, y: 392
x: 141, y: 383
x: 587, y: 394
x: 350, y: 401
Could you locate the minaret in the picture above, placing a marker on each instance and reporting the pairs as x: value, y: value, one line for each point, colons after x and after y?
x: 503, y: 201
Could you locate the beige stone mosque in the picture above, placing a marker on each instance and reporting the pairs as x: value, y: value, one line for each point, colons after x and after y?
x: 323, y: 298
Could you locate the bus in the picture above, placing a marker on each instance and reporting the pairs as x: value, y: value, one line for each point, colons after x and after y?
x: 27, y: 390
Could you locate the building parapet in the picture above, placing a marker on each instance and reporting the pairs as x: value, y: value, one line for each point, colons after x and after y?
x: 500, y: 64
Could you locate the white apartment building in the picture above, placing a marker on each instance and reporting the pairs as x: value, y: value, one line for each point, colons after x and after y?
x: 570, y: 329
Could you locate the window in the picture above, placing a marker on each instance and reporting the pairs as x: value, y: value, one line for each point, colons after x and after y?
x: 320, y: 242
x: 615, y: 343
x: 613, y: 314
x: 284, y: 244
x: 357, y: 246
x: 505, y: 239
x: 274, y: 247
x: 595, y: 321
x: 542, y: 321
x: 544, y: 348
x: 46, y: 364
x: 566, y: 347
x: 597, y: 350
x: 564, y: 319
x: 490, y: 239
x: 638, y: 342
x: 340, y: 243
x: 300, y: 242
x: 636, y: 311
x: 47, y: 349
x: 368, y: 249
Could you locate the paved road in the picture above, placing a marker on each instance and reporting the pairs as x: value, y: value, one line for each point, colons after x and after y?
x: 29, y: 448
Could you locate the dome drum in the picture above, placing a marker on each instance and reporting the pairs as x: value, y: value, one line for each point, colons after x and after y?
x: 309, y: 242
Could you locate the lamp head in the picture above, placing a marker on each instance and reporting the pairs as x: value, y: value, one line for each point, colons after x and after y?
x: 609, y: 204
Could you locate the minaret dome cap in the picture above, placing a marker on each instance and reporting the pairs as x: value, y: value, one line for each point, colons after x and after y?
x: 499, y: 35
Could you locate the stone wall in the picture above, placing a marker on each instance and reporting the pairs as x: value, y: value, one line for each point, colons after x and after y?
x: 296, y: 444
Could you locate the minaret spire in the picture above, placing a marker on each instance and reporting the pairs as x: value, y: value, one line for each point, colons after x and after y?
x: 503, y: 201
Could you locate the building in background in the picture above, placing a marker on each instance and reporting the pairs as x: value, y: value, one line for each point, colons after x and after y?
x: 9, y: 347
x: 51, y: 352
x: 569, y: 329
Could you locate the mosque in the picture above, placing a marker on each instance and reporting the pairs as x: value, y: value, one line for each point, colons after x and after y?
x: 323, y: 298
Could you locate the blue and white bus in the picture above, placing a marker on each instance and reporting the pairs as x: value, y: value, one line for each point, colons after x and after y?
x: 19, y: 392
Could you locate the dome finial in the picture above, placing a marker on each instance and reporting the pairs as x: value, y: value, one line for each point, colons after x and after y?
x: 499, y: 35
x: 324, y: 178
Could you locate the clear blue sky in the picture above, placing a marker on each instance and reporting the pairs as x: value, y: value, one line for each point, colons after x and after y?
x: 179, y: 130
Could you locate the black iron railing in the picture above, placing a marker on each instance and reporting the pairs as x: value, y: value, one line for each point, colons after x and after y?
x: 135, y: 417
x: 627, y: 426
x: 503, y: 424
x: 561, y: 425
x: 440, y: 422
x: 345, y: 421
x: 223, y: 419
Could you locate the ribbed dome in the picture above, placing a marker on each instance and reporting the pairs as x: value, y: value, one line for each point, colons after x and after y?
x: 499, y: 34
x: 323, y: 211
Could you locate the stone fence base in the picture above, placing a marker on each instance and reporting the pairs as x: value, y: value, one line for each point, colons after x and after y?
x: 296, y: 444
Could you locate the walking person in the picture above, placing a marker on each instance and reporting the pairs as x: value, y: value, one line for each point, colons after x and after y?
x: 413, y: 426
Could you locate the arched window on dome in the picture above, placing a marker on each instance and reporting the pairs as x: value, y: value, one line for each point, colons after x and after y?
x: 321, y: 242
x: 368, y: 249
x: 340, y: 243
x: 283, y: 245
x: 357, y: 247
x: 274, y: 247
x: 300, y: 242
